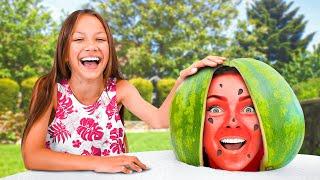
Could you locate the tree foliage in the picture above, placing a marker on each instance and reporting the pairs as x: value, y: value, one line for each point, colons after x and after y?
x: 303, y: 67
x: 27, y: 39
x: 162, y: 37
x: 272, y: 32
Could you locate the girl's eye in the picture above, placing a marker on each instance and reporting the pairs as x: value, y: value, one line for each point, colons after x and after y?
x: 101, y: 39
x: 215, y: 109
x: 249, y: 109
x: 78, y: 39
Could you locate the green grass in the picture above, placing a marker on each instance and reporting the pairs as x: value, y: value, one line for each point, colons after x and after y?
x: 11, y: 160
x: 149, y: 141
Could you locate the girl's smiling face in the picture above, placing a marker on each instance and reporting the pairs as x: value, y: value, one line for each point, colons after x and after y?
x: 88, y: 52
x: 232, y: 136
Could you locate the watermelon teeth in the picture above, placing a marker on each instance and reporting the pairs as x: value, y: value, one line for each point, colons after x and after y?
x: 232, y: 143
x: 232, y: 140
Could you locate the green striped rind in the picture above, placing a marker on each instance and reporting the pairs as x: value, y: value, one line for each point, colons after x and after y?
x: 186, y: 117
x: 280, y: 114
x: 279, y: 111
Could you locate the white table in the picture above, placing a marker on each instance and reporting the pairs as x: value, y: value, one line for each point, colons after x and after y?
x: 163, y: 165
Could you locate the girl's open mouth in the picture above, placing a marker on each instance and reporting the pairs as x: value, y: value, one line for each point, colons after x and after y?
x: 90, y: 62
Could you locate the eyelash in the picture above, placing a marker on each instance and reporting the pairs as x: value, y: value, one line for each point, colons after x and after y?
x: 221, y: 110
x: 254, y: 111
x: 78, y: 39
x: 210, y: 109
x: 100, y: 39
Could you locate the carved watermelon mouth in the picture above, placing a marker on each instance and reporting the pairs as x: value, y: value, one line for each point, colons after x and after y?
x: 232, y: 143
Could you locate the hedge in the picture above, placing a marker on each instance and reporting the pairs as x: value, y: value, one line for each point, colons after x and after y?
x: 164, y: 87
x: 9, y: 94
x: 309, y: 89
x: 26, y: 90
x: 311, y: 143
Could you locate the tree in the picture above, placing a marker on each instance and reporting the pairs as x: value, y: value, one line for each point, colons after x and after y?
x: 303, y: 67
x: 316, y: 49
x: 27, y: 39
x: 161, y: 37
x: 272, y: 30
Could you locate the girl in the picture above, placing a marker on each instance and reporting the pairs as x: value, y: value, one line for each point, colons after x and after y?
x: 74, y: 108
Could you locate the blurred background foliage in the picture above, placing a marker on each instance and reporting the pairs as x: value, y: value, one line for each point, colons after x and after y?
x: 155, y: 40
x: 160, y: 38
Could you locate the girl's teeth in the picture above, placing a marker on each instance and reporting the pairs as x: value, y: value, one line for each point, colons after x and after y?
x: 90, y: 59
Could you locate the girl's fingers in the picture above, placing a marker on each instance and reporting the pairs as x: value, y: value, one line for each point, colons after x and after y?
x: 121, y: 163
x: 211, y: 61
x: 134, y: 167
x: 204, y: 63
x: 215, y: 58
x: 139, y: 163
x: 187, y: 72
x: 125, y: 170
x: 132, y: 163
x: 199, y: 64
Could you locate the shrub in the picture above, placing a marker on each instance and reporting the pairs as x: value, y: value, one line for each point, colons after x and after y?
x: 308, y: 90
x: 11, y: 126
x: 9, y: 94
x: 302, y: 67
x: 145, y: 89
x: 26, y: 90
x: 312, y: 134
x: 164, y: 86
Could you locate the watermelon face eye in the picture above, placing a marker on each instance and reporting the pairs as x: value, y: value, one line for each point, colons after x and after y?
x: 215, y: 109
x: 231, y: 136
x: 249, y: 109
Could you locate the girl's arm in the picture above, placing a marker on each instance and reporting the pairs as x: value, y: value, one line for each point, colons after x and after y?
x: 37, y: 157
x: 129, y: 96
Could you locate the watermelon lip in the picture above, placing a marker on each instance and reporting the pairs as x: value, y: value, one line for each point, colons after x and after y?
x: 232, y: 143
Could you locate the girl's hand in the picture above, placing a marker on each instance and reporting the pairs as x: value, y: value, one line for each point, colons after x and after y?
x: 121, y: 163
x: 211, y: 61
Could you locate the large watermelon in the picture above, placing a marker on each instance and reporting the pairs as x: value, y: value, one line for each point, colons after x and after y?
x: 279, y: 112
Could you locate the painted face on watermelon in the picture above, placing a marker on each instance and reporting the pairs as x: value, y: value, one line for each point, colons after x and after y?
x: 280, y: 117
x: 232, y: 137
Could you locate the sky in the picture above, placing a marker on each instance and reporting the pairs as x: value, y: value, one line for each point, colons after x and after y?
x: 309, y: 8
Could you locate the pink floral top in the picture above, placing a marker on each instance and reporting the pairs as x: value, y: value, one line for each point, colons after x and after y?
x: 86, y: 130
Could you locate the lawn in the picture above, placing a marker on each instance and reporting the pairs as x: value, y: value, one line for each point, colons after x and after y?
x: 11, y: 161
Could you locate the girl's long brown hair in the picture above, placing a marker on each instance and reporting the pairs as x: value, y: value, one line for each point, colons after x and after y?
x: 44, y: 87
